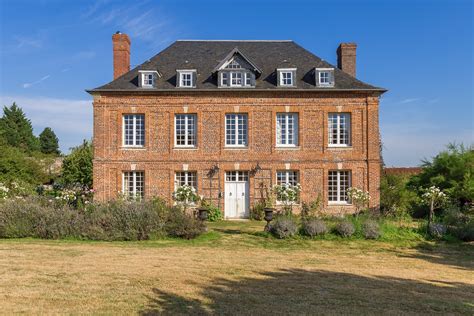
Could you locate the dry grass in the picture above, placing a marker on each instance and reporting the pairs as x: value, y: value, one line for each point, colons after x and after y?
x: 226, y: 272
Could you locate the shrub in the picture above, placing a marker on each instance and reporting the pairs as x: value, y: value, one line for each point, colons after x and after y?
x: 465, y: 232
x: 314, y: 227
x: 371, y: 229
x: 454, y: 217
x: 345, y: 228
x: 283, y: 226
x: 257, y: 212
x: 437, y: 230
x: 214, y: 213
x: 182, y: 225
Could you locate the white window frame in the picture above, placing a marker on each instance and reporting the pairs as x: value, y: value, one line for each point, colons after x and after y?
x: 286, y: 175
x: 133, y: 192
x: 143, y: 77
x: 330, y: 72
x: 186, y: 130
x: 236, y: 127
x: 236, y: 176
x: 339, y: 201
x: 134, y: 131
x: 232, y: 73
x: 348, y: 127
x: 181, y: 73
x: 291, y: 72
x: 226, y: 74
x: 278, y: 130
x: 247, y: 77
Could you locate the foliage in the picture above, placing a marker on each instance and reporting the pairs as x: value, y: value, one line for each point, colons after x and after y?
x: 465, y: 232
x: 437, y: 230
x: 452, y: 171
x: 434, y: 198
x: 185, y: 195
x: 48, y: 141
x: 182, y: 225
x: 283, y: 226
x: 359, y: 198
x: 77, y: 166
x: 41, y: 217
x: 312, y: 208
x: 345, y: 228
x: 371, y: 229
x: 214, y: 214
x: 395, y: 198
x: 15, y: 166
x: 257, y: 212
x: 16, y: 129
x: 74, y: 195
x: 314, y: 227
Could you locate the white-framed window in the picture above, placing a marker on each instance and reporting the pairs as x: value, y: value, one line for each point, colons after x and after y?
x: 236, y: 79
x: 232, y: 176
x: 185, y: 130
x: 286, y: 78
x: 134, y: 130
x: 133, y: 184
x: 338, y: 183
x: 234, y: 64
x: 148, y: 79
x: 287, y: 129
x: 186, y: 79
x: 236, y: 130
x: 287, y: 176
x: 324, y: 78
x: 186, y: 178
x: 339, y: 128
x: 248, y: 79
x: 225, y: 79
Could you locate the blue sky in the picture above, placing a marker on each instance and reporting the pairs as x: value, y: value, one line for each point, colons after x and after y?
x: 422, y: 51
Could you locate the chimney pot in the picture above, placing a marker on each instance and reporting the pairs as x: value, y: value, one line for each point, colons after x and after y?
x: 346, y: 58
x: 121, y: 54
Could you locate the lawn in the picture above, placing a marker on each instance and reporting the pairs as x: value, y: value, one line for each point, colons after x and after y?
x: 235, y: 269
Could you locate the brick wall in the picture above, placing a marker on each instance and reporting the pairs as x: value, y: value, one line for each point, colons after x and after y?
x: 160, y: 160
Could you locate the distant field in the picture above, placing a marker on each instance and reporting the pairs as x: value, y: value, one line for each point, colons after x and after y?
x: 235, y: 270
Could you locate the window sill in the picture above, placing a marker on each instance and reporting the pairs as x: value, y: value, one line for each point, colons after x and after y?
x: 287, y: 147
x: 133, y: 147
x: 339, y: 204
x: 185, y: 148
x: 236, y: 147
x: 236, y: 87
x: 342, y: 147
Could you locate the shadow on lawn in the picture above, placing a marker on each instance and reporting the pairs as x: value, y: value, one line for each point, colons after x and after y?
x: 318, y: 292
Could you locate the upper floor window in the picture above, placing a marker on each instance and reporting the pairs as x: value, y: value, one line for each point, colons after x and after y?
x: 286, y: 77
x: 236, y: 130
x: 287, y: 129
x: 324, y: 77
x: 133, y: 184
x: 148, y: 78
x: 339, y: 128
x: 134, y: 130
x: 185, y: 130
x: 186, y: 78
x: 338, y: 183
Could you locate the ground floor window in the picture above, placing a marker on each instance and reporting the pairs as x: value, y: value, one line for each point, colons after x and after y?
x: 133, y: 183
x: 186, y: 178
x: 290, y: 177
x: 232, y: 176
x: 338, y: 183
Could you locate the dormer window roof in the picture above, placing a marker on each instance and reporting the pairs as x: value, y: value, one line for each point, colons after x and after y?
x: 236, y: 59
x: 147, y: 78
x: 186, y: 78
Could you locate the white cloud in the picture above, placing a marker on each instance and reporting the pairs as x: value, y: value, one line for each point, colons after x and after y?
x: 409, y: 100
x: 70, y: 119
x: 28, y: 42
x: 30, y: 84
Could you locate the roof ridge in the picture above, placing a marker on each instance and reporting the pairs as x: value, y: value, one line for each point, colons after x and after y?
x: 227, y: 40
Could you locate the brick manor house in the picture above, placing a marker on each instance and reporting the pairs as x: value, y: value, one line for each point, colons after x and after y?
x: 232, y: 117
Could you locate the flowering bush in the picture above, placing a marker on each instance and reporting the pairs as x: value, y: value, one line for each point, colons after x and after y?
x: 359, y: 198
x: 4, y: 190
x: 185, y: 195
x: 76, y: 196
x: 287, y: 193
x: 434, y: 198
x: 13, y: 190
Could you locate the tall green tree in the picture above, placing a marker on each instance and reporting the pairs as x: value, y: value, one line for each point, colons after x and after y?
x: 49, y: 143
x: 452, y: 170
x: 77, y: 166
x: 16, y: 129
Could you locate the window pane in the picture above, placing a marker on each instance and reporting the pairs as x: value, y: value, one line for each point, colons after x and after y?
x: 134, y: 129
x: 287, y: 129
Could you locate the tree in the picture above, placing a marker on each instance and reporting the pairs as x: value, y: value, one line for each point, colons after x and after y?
x: 16, y: 129
x: 49, y: 143
x: 15, y: 166
x: 452, y: 171
x: 77, y: 166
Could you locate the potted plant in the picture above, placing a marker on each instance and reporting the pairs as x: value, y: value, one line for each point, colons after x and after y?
x: 269, y: 207
x: 203, y: 208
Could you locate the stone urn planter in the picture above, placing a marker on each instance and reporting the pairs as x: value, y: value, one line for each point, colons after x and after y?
x: 268, y: 217
x: 202, y: 213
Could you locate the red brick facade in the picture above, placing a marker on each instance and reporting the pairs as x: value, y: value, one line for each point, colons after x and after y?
x: 313, y: 158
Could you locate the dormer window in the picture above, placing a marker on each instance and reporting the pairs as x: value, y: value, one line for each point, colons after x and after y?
x: 324, y: 77
x: 286, y: 77
x: 148, y: 78
x: 236, y: 71
x: 186, y: 78
x: 236, y: 79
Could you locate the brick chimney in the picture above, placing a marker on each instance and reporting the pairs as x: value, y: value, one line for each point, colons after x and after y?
x: 346, y: 58
x: 121, y: 47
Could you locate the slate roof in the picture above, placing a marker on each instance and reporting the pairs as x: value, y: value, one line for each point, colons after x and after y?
x: 204, y: 56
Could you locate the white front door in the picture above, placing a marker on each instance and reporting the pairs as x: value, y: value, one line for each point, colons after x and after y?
x: 236, y: 195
